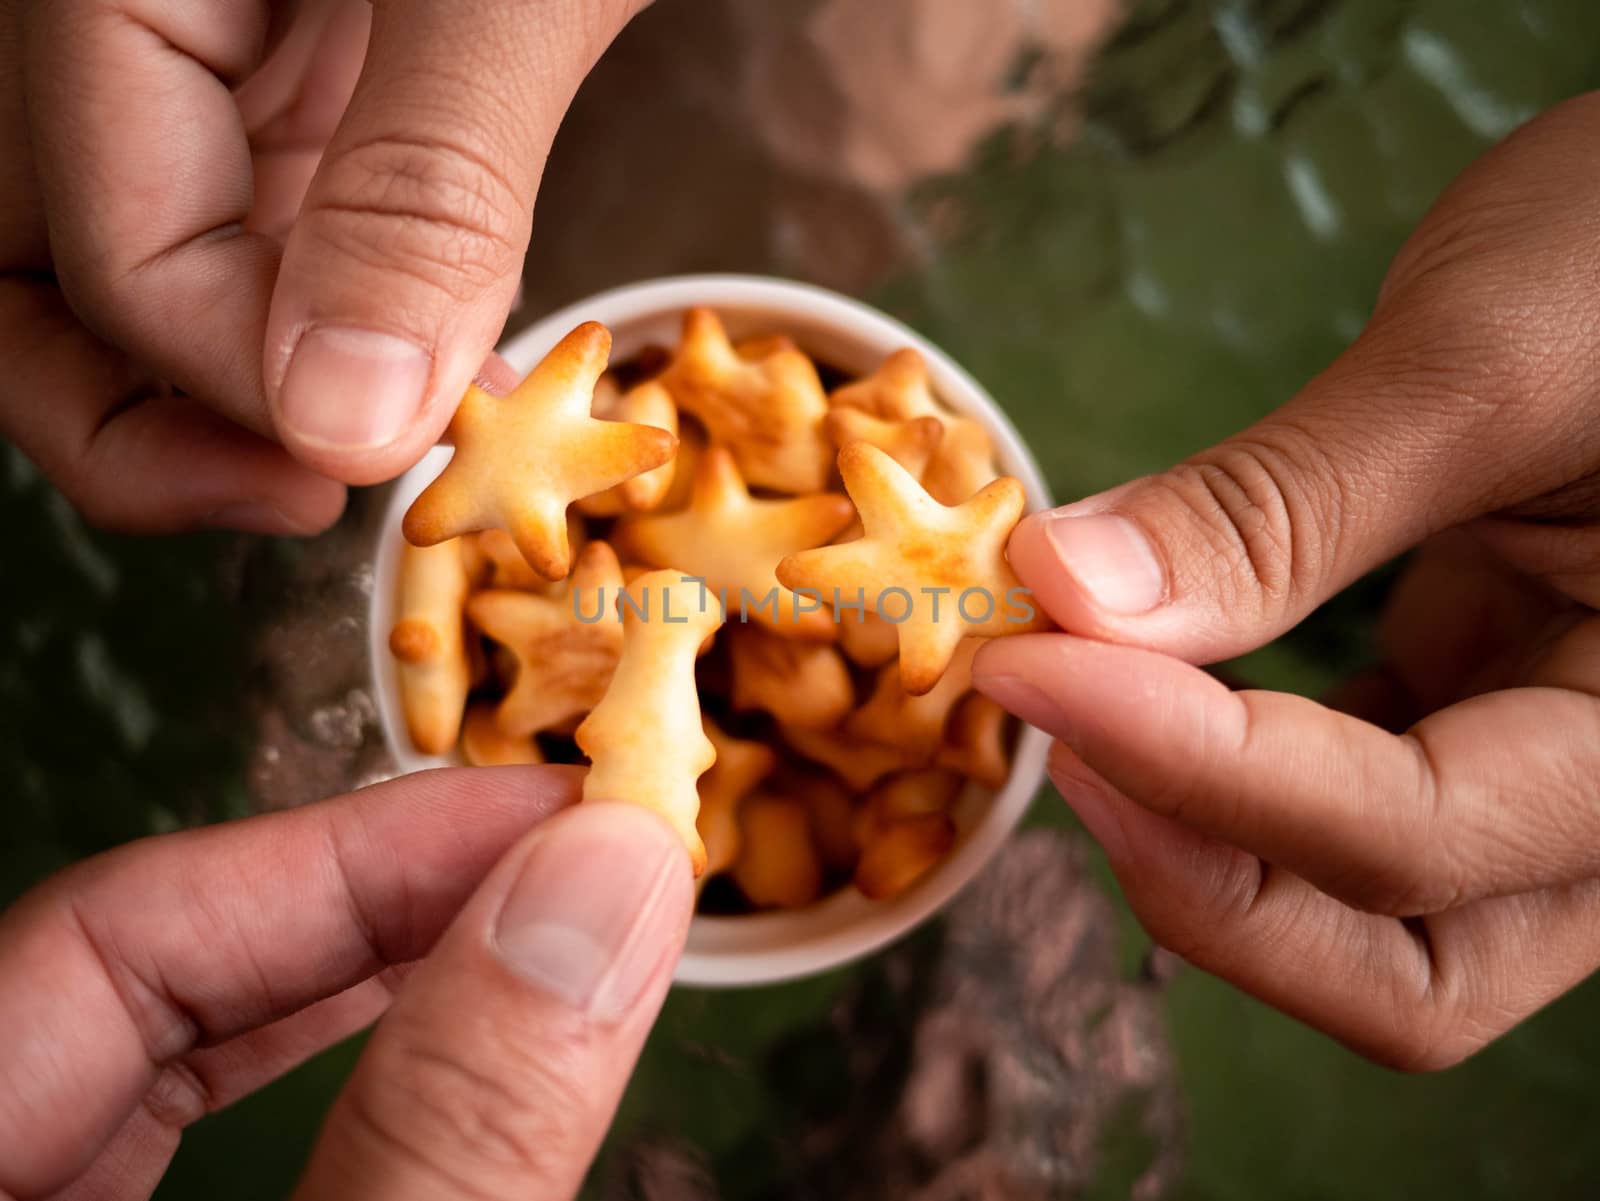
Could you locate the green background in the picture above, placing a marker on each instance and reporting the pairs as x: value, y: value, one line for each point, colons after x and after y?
x: 1211, y: 237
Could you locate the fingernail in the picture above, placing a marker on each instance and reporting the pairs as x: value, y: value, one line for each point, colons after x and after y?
x: 591, y: 917
x: 254, y: 517
x: 1111, y: 559
x: 1028, y: 701
x: 353, y: 389
x: 1086, y: 795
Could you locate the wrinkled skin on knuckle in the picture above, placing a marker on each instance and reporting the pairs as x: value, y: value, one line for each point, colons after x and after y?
x: 1433, y: 1038
x: 434, y: 214
x: 496, y: 1112
x: 1263, y: 512
x: 1200, y: 926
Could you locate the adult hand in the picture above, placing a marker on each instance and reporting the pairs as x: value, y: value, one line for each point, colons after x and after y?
x: 166, y: 979
x: 1416, y: 893
x: 307, y: 217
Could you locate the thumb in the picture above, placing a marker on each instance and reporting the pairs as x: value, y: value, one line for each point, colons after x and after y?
x: 1469, y: 392
x: 498, y: 1069
x: 1426, y: 422
x: 403, y: 262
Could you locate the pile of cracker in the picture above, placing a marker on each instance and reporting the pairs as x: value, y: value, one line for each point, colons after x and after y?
x: 747, y: 591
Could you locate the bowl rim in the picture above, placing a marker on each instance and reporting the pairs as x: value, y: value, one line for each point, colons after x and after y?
x: 772, y: 947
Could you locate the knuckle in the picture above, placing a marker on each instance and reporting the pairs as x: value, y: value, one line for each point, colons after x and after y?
x: 498, y: 1110
x: 435, y: 212
x: 1202, y: 925
x: 98, y: 497
x: 1429, y: 1039
x: 91, y: 501
x: 179, y: 1098
x: 1266, y: 509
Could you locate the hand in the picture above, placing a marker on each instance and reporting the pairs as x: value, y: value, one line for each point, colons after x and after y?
x: 312, y: 232
x: 166, y: 979
x: 1414, y: 894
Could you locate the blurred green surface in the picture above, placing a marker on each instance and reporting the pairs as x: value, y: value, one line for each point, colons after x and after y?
x: 1211, y: 238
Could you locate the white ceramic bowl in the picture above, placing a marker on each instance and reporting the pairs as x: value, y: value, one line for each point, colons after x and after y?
x: 762, y: 948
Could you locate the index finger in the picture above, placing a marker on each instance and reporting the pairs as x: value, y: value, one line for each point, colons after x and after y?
x: 129, y: 960
x: 1481, y: 799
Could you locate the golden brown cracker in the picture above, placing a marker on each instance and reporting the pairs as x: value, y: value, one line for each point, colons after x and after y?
x: 522, y: 459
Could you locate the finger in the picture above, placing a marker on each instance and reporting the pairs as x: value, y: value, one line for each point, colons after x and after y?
x: 1469, y: 391
x: 292, y: 104
x: 212, y: 1078
x: 132, y: 460
x: 1459, y: 622
x: 1487, y: 797
x: 498, y: 1069
x: 1418, y: 996
x: 1356, y: 976
x: 402, y: 265
x: 132, y: 1163
x: 145, y: 173
x: 130, y: 960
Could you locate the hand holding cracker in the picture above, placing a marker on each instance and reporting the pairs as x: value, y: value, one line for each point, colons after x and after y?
x: 521, y: 460
x: 646, y: 740
x: 941, y: 570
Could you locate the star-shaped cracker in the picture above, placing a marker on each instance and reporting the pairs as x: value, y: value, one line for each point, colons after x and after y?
x: 914, y: 723
x: 975, y: 742
x: 940, y: 570
x: 647, y: 403
x: 910, y: 442
x: 502, y: 564
x: 734, y: 541
x: 483, y: 744
x: 902, y: 853
x: 832, y: 811
x: 646, y: 740
x: 777, y: 862
x: 768, y: 411
x: 434, y: 670
x: 859, y: 764
x: 520, y: 461
x: 867, y: 639
x: 740, y: 766
x: 802, y: 684
x: 902, y: 797
x: 566, y: 646
x: 898, y: 391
